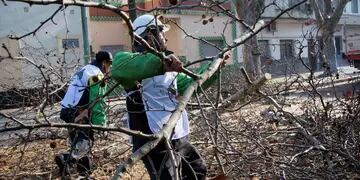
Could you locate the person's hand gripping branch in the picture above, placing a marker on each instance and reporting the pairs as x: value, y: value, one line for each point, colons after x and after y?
x: 172, y: 63
x: 226, y: 58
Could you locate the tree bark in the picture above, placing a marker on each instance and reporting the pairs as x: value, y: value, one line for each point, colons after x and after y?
x: 327, y: 17
x: 311, y: 54
x: 329, y: 51
x: 247, y: 11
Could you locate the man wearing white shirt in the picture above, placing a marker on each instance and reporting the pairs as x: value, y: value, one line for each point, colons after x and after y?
x: 152, y: 88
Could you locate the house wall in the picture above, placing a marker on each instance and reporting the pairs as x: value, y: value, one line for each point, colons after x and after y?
x: 45, y: 47
x: 192, y: 24
x: 174, y: 36
x: 106, y: 33
x: 10, y: 70
x: 287, y: 30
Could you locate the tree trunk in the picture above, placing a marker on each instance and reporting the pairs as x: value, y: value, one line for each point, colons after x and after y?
x: 247, y: 11
x: 327, y: 16
x: 311, y: 55
x: 329, y: 51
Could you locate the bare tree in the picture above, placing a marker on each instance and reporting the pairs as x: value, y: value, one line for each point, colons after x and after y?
x: 249, y: 12
x: 328, y: 14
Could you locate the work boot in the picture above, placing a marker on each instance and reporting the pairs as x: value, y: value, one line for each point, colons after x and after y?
x: 64, y: 162
x: 84, y: 166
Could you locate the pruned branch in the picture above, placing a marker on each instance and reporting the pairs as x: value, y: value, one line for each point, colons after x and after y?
x: 241, y: 94
x: 316, y: 143
x: 71, y: 125
x: 318, y: 12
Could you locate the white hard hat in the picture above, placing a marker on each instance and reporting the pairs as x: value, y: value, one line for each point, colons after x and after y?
x: 142, y: 22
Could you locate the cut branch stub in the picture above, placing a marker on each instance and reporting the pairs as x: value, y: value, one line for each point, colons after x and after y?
x: 240, y: 95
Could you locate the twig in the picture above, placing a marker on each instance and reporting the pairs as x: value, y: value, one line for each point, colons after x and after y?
x: 75, y: 125
x: 41, y: 24
x: 12, y: 118
x: 199, y: 61
x: 301, y: 153
x: 21, y: 156
x: 47, y: 81
x: 26, y: 174
x: 4, y: 2
x: 173, y: 159
x: 200, y: 105
x: 241, y: 21
x: 7, y: 50
x: 246, y: 75
x: 293, y: 120
x: 218, y: 97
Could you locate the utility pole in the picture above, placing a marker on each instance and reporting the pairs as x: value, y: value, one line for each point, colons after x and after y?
x: 85, y: 32
x: 132, y: 8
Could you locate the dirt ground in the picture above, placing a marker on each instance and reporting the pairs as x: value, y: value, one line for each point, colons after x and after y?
x: 241, y: 131
x: 35, y: 160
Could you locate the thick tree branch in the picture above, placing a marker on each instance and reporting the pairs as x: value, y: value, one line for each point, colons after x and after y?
x: 240, y: 95
x: 338, y: 12
x: 318, y: 12
x: 71, y: 125
x: 328, y: 7
x: 260, y: 26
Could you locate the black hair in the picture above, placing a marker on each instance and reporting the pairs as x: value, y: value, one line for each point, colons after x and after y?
x: 103, y: 56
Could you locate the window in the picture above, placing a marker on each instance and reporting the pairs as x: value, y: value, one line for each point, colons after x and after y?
x: 286, y: 49
x: 338, y: 44
x: 271, y: 27
x: 207, y: 50
x: 70, y: 43
x: 354, y: 6
x: 264, y: 49
x: 113, y: 49
x: 26, y: 9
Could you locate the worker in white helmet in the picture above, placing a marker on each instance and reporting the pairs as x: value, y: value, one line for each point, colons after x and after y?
x: 153, y: 87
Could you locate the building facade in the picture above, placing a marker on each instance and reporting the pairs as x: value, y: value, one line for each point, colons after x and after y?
x: 286, y: 41
x: 280, y: 43
x: 109, y: 32
x: 62, y: 41
x: 57, y: 45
